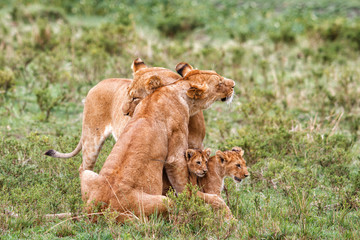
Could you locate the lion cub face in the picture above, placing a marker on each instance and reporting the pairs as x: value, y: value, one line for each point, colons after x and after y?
x: 206, y: 86
x: 197, y: 161
x: 146, y: 80
x: 233, y: 163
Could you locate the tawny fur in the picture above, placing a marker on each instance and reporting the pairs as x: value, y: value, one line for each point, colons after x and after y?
x: 130, y: 181
x: 110, y: 104
x: 223, y: 164
x: 196, y: 160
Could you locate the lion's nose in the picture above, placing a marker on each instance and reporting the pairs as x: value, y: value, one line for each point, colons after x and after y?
x: 246, y: 175
x: 232, y: 83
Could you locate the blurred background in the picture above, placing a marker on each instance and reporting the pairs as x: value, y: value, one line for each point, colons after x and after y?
x: 296, y: 112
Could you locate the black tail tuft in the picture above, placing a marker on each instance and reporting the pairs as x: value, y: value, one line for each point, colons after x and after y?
x: 50, y: 153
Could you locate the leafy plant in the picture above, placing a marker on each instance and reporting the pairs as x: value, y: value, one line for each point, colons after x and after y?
x: 7, y: 80
x: 47, y: 102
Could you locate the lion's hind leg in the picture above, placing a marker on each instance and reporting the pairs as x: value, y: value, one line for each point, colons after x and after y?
x: 94, y: 192
x: 93, y: 141
x: 91, y: 185
x: 148, y: 204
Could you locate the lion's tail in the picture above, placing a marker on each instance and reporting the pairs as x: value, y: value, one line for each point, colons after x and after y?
x: 56, y: 154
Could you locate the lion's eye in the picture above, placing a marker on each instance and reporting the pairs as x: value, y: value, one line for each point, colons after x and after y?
x: 238, y: 165
x: 198, y: 162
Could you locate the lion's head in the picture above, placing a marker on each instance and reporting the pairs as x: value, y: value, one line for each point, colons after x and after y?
x: 146, y: 80
x: 197, y: 161
x: 206, y: 86
x: 233, y: 163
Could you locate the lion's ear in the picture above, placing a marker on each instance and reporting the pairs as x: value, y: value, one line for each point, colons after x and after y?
x: 239, y: 150
x: 183, y: 68
x: 152, y: 84
x: 208, y: 152
x: 196, y: 91
x: 138, y: 64
x: 126, y: 108
x: 221, y: 156
x: 189, y: 153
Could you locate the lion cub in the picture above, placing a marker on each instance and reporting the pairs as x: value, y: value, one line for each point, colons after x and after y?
x: 196, y: 161
x: 223, y: 164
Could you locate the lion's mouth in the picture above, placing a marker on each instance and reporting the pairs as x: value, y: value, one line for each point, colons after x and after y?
x: 200, y: 174
x: 228, y: 98
x: 237, y: 179
x: 225, y: 99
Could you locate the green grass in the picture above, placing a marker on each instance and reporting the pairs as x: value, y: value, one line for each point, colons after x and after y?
x: 296, y: 112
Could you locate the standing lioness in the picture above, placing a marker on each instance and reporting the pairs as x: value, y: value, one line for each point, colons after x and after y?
x: 110, y: 104
x: 131, y: 178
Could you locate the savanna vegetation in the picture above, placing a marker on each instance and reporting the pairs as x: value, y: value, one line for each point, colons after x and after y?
x: 296, y: 112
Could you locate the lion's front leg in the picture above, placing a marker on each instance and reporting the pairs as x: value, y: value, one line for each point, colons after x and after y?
x: 196, y: 131
x: 177, y: 172
x: 175, y: 165
x: 216, y: 202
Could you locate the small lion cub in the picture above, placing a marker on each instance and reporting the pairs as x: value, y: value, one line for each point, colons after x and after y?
x: 196, y: 160
x: 223, y: 164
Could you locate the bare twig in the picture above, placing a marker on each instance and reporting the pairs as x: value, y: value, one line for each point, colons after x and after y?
x: 227, y: 195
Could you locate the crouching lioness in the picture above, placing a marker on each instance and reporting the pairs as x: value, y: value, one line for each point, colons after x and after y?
x: 131, y: 178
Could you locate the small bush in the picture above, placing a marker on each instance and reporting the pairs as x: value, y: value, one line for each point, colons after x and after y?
x: 191, y: 215
x: 172, y: 22
x: 283, y: 33
x: 65, y: 230
x: 331, y: 30
x: 47, y: 102
x: 37, y: 11
x: 7, y: 80
x: 43, y: 36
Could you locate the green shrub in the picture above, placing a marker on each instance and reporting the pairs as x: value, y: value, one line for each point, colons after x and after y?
x: 191, y: 215
x: 283, y: 33
x: 32, y: 12
x: 43, y: 36
x: 7, y: 80
x: 329, y: 51
x: 47, y: 102
x: 172, y: 22
x: 331, y: 30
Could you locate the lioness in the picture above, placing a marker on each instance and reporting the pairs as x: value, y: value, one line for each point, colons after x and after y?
x: 223, y: 164
x: 131, y: 177
x: 196, y: 160
x: 109, y: 105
